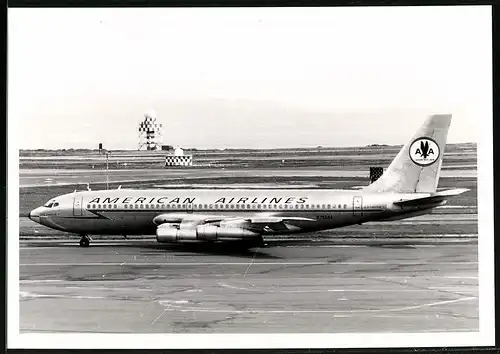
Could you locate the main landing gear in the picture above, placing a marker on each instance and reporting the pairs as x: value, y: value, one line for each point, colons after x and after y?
x: 85, y: 241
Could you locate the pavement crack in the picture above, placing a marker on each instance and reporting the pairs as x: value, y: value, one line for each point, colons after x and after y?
x: 164, y: 310
x: 246, y: 271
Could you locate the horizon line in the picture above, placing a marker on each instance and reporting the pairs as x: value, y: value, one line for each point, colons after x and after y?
x: 233, y: 148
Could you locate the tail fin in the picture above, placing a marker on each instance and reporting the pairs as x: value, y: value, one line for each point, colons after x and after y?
x: 417, y: 166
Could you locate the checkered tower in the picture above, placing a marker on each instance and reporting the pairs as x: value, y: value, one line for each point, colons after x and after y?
x: 150, y: 133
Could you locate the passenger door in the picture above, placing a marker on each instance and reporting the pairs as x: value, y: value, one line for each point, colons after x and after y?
x: 77, y: 205
x: 357, y: 206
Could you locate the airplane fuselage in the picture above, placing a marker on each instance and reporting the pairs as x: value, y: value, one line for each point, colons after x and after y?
x: 131, y: 212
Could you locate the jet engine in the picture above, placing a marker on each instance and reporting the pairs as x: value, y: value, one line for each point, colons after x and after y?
x: 167, y: 233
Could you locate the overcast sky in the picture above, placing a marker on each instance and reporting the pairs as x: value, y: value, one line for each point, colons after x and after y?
x: 246, y: 77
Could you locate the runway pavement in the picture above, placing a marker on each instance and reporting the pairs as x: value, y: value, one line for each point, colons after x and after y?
x: 140, y: 286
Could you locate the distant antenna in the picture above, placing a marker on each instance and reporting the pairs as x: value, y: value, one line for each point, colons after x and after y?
x: 150, y: 132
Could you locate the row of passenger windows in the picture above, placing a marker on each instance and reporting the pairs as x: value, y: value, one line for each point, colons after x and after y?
x: 218, y: 206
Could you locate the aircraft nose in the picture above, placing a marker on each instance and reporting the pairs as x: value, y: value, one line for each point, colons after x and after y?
x: 35, y: 215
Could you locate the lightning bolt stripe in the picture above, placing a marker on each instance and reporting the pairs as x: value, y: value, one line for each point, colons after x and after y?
x: 99, y: 215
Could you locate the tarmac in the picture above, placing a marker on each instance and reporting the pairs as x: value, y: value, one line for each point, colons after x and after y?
x: 140, y: 286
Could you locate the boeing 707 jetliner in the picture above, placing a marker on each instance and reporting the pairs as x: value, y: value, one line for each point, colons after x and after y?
x: 406, y: 189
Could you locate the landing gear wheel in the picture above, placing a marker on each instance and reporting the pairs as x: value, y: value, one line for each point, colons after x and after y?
x: 84, y: 241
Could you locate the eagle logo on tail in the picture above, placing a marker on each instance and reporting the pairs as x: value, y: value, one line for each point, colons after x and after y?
x: 424, y: 151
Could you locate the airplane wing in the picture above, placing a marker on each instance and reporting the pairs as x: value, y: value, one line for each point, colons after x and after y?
x: 257, y: 222
x: 432, y: 198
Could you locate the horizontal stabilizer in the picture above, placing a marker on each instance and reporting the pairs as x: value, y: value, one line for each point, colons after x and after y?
x: 433, y: 198
x: 452, y: 192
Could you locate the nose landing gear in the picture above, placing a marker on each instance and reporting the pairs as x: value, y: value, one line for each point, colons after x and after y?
x: 85, y: 241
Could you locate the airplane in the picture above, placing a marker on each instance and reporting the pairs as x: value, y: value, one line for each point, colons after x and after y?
x: 407, y: 188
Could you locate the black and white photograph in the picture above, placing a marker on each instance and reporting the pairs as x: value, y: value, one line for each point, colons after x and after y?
x: 250, y: 177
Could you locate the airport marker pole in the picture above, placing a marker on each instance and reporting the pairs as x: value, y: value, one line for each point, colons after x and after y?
x: 107, y: 172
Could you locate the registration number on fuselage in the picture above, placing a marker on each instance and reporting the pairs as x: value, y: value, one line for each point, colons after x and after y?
x: 325, y: 217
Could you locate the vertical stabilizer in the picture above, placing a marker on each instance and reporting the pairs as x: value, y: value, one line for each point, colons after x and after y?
x: 417, y: 166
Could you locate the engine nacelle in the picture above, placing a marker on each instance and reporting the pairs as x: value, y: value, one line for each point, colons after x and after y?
x: 230, y: 233
x: 167, y: 233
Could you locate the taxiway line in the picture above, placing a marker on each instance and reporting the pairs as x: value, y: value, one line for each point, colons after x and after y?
x: 172, y: 307
x: 111, y: 264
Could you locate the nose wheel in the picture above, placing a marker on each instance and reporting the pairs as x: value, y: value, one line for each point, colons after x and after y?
x: 85, y: 241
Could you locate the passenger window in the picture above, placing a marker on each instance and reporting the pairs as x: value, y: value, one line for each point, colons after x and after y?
x: 137, y: 206
x: 345, y: 206
x: 302, y: 206
x: 115, y: 206
x: 307, y: 206
x: 88, y: 206
x: 329, y: 206
x: 125, y: 206
x: 232, y: 206
x: 264, y: 206
x: 340, y: 206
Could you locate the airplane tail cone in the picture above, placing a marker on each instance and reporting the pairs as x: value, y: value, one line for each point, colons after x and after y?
x: 417, y: 166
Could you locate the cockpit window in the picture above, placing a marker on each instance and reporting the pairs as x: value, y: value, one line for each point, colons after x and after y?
x: 51, y: 204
